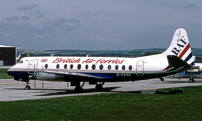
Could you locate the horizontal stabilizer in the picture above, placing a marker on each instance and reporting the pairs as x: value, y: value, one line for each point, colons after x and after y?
x: 175, y: 61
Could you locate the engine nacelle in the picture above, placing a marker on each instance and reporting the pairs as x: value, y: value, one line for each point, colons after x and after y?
x: 47, y: 76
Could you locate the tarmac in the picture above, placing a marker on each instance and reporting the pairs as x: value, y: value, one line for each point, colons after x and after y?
x: 11, y: 90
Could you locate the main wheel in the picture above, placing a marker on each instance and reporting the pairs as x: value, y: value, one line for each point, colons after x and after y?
x: 98, y: 87
x: 78, y: 89
x: 162, y: 79
x: 191, y: 80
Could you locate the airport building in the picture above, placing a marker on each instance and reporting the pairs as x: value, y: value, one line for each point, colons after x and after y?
x: 7, y: 55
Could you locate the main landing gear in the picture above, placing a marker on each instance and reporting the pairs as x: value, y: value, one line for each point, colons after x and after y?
x: 162, y: 79
x: 79, y: 89
x: 99, y: 86
x: 27, y: 85
x: 191, y: 79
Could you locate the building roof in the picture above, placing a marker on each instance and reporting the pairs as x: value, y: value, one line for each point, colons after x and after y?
x: 6, y: 46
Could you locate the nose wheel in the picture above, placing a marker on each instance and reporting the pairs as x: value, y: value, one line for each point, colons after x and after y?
x: 27, y: 86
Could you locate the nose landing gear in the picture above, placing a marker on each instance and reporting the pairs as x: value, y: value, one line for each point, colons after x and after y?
x: 27, y: 85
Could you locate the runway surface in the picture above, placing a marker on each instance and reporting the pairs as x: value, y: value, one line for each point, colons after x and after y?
x: 11, y: 90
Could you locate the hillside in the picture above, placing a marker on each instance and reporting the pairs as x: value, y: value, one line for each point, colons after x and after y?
x: 104, y: 53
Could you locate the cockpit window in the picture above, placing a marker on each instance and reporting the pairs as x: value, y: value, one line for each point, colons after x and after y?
x: 21, y: 61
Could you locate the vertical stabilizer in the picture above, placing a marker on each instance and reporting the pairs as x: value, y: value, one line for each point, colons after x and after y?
x: 180, y: 47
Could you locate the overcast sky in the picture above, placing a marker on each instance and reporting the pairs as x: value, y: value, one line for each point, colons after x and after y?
x: 98, y: 24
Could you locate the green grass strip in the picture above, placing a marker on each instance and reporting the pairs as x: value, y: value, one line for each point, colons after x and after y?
x: 109, y: 107
x: 4, y: 75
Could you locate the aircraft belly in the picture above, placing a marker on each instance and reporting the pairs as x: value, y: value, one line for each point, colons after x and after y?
x: 114, y: 77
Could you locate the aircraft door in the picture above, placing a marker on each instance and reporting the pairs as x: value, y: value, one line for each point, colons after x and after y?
x: 32, y: 66
x: 140, y: 68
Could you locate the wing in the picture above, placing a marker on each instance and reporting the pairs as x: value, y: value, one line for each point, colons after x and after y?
x: 86, y: 75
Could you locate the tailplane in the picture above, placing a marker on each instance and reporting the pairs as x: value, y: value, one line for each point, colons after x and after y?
x: 180, y: 47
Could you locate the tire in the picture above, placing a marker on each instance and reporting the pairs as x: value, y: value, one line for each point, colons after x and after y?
x: 27, y: 87
x: 98, y: 87
x: 190, y: 80
x: 78, y: 89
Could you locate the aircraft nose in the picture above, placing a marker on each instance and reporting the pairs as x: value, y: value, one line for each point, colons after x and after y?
x: 9, y: 72
x: 18, y: 75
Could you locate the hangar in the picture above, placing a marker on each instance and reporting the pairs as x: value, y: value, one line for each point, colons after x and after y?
x: 7, y: 55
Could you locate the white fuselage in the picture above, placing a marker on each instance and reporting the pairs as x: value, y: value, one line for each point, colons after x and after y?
x: 96, y: 65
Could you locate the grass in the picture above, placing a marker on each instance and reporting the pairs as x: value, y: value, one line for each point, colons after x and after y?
x: 112, y: 106
x: 4, y: 75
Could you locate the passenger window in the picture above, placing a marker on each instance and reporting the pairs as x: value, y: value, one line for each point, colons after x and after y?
x: 130, y: 67
x: 46, y: 66
x: 86, y: 67
x: 101, y: 67
x: 79, y: 67
x: 109, y: 67
x: 116, y: 67
x: 57, y: 66
x: 71, y: 66
x: 123, y: 67
x: 93, y: 66
x: 65, y: 66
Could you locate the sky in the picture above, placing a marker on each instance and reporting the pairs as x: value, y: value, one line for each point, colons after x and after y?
x: 98, y: 24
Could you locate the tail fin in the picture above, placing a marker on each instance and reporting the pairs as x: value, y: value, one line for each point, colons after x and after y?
x: 180, y: 47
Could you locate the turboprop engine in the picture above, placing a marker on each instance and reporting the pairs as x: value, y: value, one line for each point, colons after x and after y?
x: 48, y: 77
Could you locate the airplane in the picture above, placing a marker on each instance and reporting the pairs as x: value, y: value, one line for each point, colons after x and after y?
x: 192, y: 73
x: 98, y: 70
